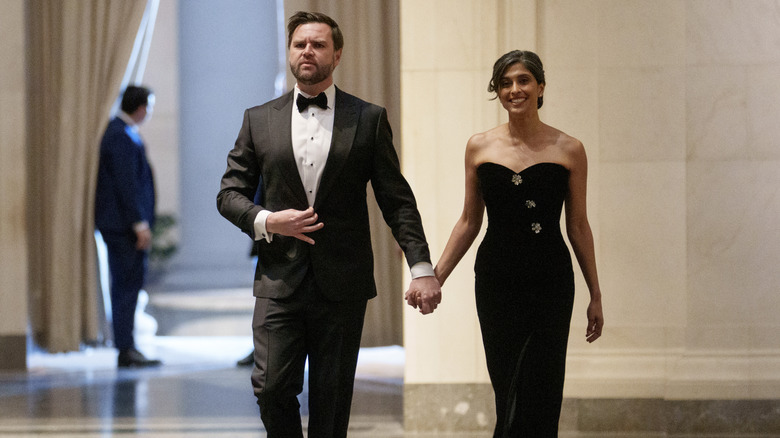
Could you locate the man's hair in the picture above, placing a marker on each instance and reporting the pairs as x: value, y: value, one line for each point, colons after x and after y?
x: 530, y: 60
x: 300, y: 18
x: 135, y: 97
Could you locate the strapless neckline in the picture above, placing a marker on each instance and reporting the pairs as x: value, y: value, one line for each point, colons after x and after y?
x: 543, y: 163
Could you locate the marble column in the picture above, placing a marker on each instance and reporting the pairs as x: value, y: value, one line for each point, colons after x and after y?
x: 448, y: 48
x: 676, y: 103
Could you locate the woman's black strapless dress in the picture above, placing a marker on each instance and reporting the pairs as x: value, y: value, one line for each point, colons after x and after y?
x: 524, y: 289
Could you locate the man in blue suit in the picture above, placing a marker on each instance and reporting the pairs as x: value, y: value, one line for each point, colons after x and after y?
x: 124, y: 215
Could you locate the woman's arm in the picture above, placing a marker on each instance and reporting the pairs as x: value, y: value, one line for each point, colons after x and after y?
x: 470, y: 222
x: 581, y: 236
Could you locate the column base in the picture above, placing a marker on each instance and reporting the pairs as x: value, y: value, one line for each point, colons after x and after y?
x: 470, y: 408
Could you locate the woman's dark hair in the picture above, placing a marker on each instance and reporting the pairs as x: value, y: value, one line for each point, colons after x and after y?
x: 530, y: 60
x: 300, y: 18
x: 135, y: 97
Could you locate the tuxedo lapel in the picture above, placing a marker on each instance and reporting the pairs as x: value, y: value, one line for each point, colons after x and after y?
x: 345, y: 121
x: 281, y: 126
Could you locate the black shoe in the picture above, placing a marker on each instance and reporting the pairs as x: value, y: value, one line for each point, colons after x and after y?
x: 132, y: 358
x: 249, y: 360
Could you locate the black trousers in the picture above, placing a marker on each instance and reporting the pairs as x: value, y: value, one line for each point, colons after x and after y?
x: 286, y: 332
x: 127, y: 266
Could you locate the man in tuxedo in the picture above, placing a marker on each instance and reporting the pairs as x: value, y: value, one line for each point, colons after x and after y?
x: 316, y: 148
x: 124, y: 215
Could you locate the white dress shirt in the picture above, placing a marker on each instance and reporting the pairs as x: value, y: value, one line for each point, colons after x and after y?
x: 311, y: 132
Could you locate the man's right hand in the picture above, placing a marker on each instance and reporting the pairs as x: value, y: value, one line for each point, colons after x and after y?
x: 294, y: 223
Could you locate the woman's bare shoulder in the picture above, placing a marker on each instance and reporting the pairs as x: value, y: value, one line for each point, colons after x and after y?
x: 484, y: 139
x: 481, y: 146
x: 568, y: 150
x: 564, y: 142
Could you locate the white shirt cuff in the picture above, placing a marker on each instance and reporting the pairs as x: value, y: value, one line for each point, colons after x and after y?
x: 140, y: 226
x: 422, y: 269
x: 260, y: 231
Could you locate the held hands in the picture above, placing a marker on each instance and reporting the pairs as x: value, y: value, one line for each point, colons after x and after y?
x: 294, y: 223
x: 595, y: 320
x: 424, y: 293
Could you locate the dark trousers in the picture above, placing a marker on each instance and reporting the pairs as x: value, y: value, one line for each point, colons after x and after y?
x: 127, y: 267
x: 286, y: 332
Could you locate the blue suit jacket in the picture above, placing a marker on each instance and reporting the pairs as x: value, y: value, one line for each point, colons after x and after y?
x: 125, y: 186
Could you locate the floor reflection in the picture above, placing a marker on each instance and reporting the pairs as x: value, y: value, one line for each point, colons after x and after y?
x: 199, y: 391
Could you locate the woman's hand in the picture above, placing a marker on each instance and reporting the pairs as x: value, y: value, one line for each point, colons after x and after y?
x: 595, y: 321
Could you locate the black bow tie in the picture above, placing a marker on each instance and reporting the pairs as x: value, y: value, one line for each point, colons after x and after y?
x: 303, y: 102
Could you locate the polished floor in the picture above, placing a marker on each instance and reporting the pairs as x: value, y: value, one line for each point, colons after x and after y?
x: 199, y: 392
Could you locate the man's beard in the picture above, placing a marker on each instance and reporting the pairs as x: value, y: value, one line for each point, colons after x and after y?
x: 321, y: 73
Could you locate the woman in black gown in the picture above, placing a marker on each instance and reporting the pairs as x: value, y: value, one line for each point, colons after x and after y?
x: 524, y: 172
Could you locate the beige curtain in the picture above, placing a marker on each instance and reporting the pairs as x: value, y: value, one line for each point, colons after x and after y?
x: 370, y: 69
x: 77, y: 54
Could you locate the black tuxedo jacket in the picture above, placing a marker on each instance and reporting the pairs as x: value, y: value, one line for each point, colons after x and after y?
x: 361, y: 151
